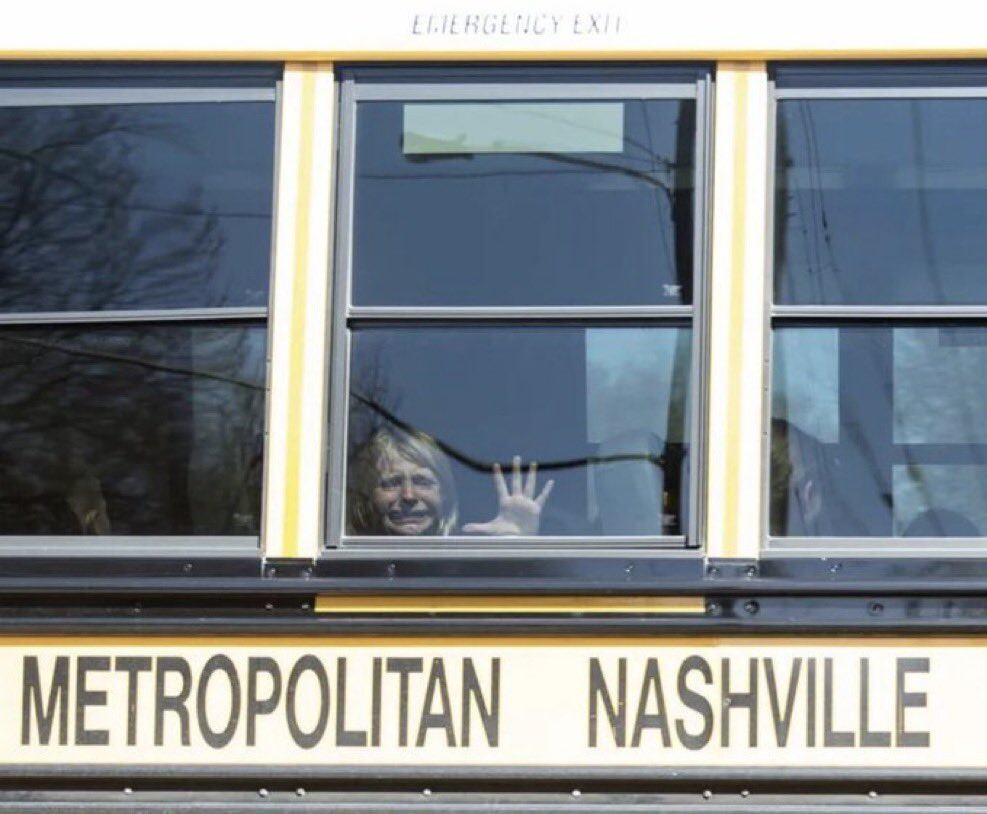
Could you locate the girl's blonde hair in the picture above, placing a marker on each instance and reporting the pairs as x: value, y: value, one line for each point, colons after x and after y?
x: 365, y: 467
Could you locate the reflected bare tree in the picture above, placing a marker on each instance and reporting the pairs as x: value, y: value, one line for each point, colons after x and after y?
x: 146, y: 429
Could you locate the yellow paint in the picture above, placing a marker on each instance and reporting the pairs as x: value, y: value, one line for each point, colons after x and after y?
x: 737, y: 269
x: 290, y: 542
x: 510, y: 604
x: 436, y: 55
x: 147, y: 639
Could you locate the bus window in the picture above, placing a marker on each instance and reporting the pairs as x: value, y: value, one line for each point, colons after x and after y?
x: 516, y: 265
x: 135, y: 236
x: 880, y: 314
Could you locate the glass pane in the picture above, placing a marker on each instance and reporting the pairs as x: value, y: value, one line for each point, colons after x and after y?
x: 135, y: 206
x: 893, y: 443
x: 131, y: 430
x: 530, y: 203
x: 602, y: 411
x: 881, y: 201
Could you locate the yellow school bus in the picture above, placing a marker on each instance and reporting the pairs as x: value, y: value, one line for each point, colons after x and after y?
x: 529, y: 408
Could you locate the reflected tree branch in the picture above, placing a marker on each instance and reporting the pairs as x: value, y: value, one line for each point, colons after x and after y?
x: 488, y: 466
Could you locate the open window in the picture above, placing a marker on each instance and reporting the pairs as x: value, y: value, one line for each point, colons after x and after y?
x: 516, y: 329
x: 135, y: 243
x: 879, y: 319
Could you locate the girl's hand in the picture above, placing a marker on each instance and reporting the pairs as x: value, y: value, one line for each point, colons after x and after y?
x: 519, y: 513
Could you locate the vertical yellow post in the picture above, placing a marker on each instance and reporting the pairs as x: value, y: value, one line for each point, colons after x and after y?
x: 736, y: 363
x: 293, y: 506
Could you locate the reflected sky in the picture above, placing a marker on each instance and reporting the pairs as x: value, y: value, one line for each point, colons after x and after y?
x: 135, y: 206
x: 881, y: 201
x: 528, y: 228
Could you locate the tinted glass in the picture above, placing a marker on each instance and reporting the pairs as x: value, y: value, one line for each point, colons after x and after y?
x: 878, y: 430
x: 524, y: 203
x: 602, y: 411
x: 881, y: 201
x: 125, y: 430
x: 135, y: 206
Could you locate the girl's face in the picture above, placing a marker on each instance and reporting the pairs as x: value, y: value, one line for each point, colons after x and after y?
x: 407, y: 497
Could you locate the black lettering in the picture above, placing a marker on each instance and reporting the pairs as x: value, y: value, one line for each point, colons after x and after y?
x: 307, y: 663
x: 782, y: 720
x: 651, y: 687
x: 133, y: 666
x: 44, y: 713
x: 867, y: 736
x: 810, y: 703
x: 831, y: 737
x: 375, y: 685
x: 905, y: 700
x: 404, y: 668
x: 84, y: 697
x: 443, y: 718
x: 261, y: 706
x: 218, y: 664
x: 696, y: 702
x: 344, y: 736
x: 744, y: 700
x: 616, y: 712
x: 177, y: 703
x: 489, y: 714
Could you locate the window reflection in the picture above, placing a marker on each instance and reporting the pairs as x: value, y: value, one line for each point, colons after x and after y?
x: 908, y: 457
x: 880, y: 201
x: 150, y: 430
x: 518, y: 431
x: 457, y: 209
x: 135, y: 206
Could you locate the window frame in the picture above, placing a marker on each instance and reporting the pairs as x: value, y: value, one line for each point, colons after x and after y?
x: 133, y: 84
x: 855, y: 81
x: 503, y: 83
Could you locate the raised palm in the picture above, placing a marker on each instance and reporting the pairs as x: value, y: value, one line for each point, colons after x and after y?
x: 519, y: 510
